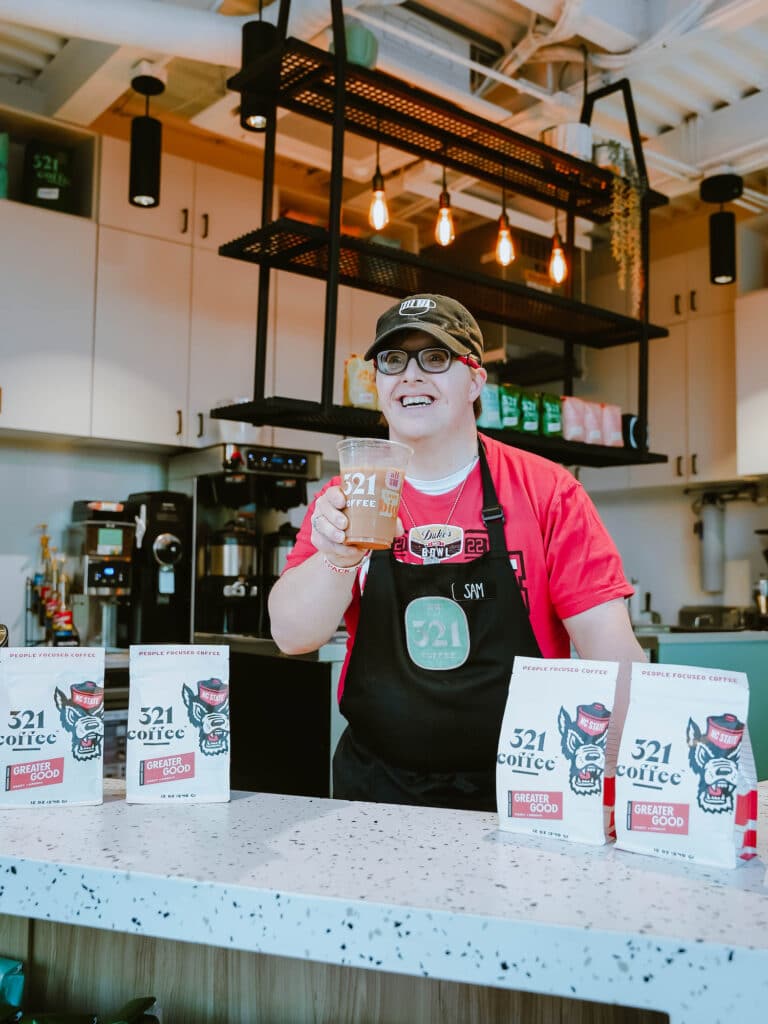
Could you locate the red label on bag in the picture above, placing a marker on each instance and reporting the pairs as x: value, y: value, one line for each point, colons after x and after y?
x: 34, y: 774
x: 534, y: 803
x: 646, y: 816
x: 166, y: 769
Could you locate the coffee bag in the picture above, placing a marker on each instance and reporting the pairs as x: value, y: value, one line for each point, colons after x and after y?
x: 177, y: 746
x: 550, y: 771
x: 685, y: 778
x: 52, y: 707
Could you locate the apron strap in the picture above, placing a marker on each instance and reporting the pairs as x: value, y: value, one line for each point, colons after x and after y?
x: 492, y: 513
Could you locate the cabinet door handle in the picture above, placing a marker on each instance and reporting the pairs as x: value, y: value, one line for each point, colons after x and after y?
x: 184, y: 220
x: 693, y: 301
x: 179, y: 423
x: 206, y: 220
x: 694, y: 464
x: 201, y: 431
x: 677, y: 305
x: 679, y: 465
x: 1, y: 399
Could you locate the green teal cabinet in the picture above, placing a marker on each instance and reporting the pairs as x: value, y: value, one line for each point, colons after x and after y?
x: 740, y: 652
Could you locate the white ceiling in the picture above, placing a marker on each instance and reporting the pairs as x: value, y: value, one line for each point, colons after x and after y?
x: 698, y: 71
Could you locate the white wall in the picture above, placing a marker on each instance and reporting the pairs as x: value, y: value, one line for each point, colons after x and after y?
x: 653, y: 530
x: 38, y: 483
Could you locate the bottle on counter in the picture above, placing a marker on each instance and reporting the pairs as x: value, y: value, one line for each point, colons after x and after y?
x: 38, y: 578
x: 64, y: 633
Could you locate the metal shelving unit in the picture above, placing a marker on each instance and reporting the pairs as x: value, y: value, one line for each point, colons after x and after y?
x: 325, y: 87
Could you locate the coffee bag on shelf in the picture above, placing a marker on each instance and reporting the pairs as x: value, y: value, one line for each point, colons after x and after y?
x: 685, y: 778
x: 52, y: 707
x: 177, y: 747
x: 551, y: 775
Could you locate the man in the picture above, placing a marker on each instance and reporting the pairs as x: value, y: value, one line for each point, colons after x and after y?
x: 499, y: 553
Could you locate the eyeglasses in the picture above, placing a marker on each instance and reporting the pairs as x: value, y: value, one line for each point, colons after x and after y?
x: 432, y: 360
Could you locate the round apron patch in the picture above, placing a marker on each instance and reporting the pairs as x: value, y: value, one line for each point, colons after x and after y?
x: 436, y: 633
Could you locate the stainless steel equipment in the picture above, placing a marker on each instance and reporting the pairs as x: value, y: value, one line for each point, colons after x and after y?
x: 100, y: 540
x: 241, y: 540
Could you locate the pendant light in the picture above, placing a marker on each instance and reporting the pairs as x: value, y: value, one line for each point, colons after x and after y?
x: 258, y: 101
x: 558, y: 265
x: 505, y: 246
x: 721, y: 188
x: 378, y: 214
x: 146, y: 146
x: 444, y: 229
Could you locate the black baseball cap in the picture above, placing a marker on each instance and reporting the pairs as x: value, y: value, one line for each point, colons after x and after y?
x: 442, y: 317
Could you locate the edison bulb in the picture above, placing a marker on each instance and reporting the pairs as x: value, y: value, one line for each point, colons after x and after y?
x: 505, y: 247
x: 444, y: 229
x: 378, y: 214
x: 558, y: 267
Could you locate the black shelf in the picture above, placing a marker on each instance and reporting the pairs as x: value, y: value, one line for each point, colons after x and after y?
x: 394, y: 113
x: 300, y: 414
x: 301, y: 248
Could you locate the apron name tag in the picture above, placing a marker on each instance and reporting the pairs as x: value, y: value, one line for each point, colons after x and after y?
x: 474, y: 590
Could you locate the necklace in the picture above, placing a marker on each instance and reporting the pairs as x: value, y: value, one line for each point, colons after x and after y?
x: 456, y: 500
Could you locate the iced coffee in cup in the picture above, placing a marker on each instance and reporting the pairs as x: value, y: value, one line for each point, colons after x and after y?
x: 372, y: 474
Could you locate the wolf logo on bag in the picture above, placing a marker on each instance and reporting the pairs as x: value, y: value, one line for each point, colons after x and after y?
x: 714, y: 757
x: 583, y: 744
x: 82, y: 715
x: 208, y: 711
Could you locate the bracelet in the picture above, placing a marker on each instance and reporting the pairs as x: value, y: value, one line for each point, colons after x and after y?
x: 342, y: 570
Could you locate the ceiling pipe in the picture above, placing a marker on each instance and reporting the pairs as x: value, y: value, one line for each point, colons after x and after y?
x: 160, y: 27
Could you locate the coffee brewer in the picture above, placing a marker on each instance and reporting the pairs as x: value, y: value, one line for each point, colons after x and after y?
x: 238, y: 494
x: 161, y: 603
x: 100, y: 542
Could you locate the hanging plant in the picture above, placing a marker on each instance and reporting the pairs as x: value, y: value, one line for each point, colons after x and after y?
x: 626, y: 235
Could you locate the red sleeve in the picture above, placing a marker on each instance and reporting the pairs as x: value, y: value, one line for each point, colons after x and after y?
x: 583, y: 564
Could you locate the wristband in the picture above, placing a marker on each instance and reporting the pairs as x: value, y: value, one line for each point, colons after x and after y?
x: 342, y: 570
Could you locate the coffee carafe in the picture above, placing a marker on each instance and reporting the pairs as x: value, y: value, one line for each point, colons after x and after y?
x: 228, y: 579
x: 276, y: 547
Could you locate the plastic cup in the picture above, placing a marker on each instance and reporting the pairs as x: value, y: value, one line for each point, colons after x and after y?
x: 372, y: 475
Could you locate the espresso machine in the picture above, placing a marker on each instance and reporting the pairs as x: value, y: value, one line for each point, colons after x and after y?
x: 99, y: 540
x: 240, y: 495
x: 161, y: 563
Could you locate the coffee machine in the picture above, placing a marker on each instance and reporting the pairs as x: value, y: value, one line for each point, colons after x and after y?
x: 99, y: 540
x: 161, y: 562
x: 239, y: 496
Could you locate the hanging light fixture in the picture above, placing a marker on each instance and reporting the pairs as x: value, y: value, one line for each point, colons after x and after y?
x: 146, y: 146
x: 444, y: 229
x: 378, y: 214
x: 558, y: 265
x: 258, y: 100
x: 722, y: 188
x: 505, y: 246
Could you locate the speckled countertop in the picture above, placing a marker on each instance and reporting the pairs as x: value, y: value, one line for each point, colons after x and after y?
x: 438, y: 893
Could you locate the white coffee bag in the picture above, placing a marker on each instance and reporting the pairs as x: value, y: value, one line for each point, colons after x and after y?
x: 177, y: 745
x: 51, y: 746
x: 550, y: 770
x: 685, y: 778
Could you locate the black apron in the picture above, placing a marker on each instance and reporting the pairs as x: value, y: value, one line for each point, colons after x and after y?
x: 427, y: 680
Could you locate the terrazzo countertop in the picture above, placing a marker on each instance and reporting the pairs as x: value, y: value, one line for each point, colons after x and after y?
x: 437, y: 893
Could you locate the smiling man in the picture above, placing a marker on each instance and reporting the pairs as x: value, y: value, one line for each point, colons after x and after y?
x: 499, y: 553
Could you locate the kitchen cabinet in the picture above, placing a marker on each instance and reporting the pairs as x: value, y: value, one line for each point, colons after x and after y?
x: 690, y: 406
x: 752, y: 382
x: 198, y: 309
x: 680, y: 289
x: 200, y: 205
x: 47, y: 272
x: 141, y: 345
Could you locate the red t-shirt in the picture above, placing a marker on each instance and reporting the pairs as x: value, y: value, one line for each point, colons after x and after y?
x: 563, y: 556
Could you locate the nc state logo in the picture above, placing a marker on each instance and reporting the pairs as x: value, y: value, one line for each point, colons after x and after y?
x: 583, y: 744
x: 208, y: 711
x: 714, y: 757
x: 82, y: 715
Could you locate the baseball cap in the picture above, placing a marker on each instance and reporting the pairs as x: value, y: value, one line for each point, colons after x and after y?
x: 442, y: 317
